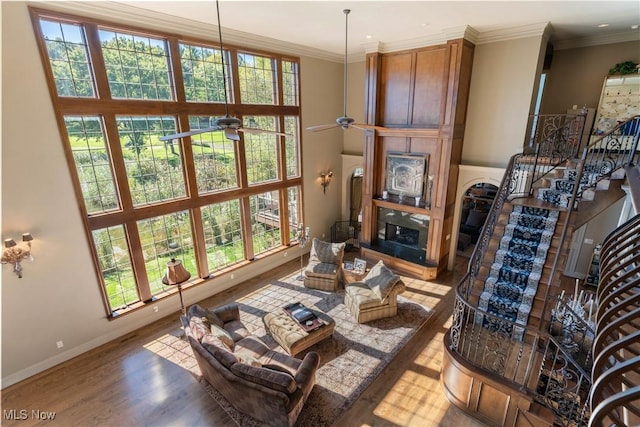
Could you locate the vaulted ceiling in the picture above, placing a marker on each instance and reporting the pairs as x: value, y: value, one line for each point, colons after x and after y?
x: 395, y: 25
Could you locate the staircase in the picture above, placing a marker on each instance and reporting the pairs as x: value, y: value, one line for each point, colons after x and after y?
x: 499, y: 339
x: 492, y: 281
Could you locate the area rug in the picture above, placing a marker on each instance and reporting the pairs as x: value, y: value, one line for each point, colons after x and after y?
x: 517, y: 268
x: 349, y: 360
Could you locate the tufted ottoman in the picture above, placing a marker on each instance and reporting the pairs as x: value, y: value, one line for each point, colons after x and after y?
x: 291, y: 336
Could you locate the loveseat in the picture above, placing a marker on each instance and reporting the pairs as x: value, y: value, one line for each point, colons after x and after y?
x: 267, y: 385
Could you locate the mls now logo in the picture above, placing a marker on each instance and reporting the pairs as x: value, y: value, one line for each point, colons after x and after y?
x: 23, y: 414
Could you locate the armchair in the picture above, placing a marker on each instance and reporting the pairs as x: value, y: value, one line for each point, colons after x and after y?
x: 375, y: 297
x: 324, y: 270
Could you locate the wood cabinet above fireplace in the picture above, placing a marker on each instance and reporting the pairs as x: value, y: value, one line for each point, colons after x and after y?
x: 421, y: 97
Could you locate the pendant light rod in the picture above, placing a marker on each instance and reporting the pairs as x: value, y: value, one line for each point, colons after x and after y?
x: 346, y: 32
x: 224, y: 71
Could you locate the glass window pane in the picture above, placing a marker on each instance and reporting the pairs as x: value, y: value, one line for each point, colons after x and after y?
x: 154, y: 167
x: 115, y: 264
x: 291, y: 146
x: 261, y: 150
x: 257, y: 79
x: 69, y: 58
x: 223, y: 234
x: 265, y: 221
x: 163, y: 238
x: 92, y: 161
x: 290, y: 83
x: 137, y: 66
x: 202, y: 73
x: 214, y: 157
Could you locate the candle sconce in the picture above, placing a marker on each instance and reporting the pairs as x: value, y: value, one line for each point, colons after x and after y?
x: 325, y: 180
x: 14, y: 253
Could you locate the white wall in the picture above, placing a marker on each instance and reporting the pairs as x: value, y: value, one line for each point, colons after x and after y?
x: 503, y: 80
x: 58, y: 298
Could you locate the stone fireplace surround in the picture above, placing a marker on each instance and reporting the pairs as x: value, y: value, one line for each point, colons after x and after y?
x: 402, y: 235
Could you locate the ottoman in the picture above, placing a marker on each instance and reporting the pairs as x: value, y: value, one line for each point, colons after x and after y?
x: 291, y: 336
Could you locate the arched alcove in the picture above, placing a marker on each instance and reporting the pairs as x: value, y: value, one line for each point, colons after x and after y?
x: 469, y: 176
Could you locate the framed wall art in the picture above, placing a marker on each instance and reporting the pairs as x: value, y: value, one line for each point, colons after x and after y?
x: 406, y: 174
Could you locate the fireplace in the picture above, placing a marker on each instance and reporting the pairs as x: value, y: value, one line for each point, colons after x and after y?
x: 402, y: 235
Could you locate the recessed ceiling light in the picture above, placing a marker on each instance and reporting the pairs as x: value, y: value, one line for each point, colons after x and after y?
x: 634, y: 27
x: 424, y: 24
x: 369, y: 36
x: 603, y: 25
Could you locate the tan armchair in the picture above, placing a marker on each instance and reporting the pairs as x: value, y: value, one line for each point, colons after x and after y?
x: 375, y: 297
x: 324, y: 270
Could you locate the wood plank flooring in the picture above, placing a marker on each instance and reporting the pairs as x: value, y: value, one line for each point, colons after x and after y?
x: 134, y: 381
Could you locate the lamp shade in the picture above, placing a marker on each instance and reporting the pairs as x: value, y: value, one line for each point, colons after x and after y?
x: 176, y: 273
x: 8, y: 243
x: 27, y: 237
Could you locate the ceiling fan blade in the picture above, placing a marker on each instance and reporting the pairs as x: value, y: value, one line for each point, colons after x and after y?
x: 231, y: 134
x: 322, y: 127
x: 254, y: 130
x: 188, y: 133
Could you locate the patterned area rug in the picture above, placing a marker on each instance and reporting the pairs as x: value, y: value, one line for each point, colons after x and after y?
x: 349, y: 361
x: 515, y: 273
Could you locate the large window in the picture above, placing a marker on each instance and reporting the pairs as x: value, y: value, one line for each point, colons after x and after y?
x: 213, y: 203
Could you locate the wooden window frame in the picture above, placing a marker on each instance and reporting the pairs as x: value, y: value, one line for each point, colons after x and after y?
x: 109, y: 109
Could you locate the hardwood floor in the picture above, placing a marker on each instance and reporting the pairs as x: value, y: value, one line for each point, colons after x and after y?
x: 140, y: 380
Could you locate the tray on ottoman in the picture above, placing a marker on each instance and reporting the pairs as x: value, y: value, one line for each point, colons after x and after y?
x: 294, y: 336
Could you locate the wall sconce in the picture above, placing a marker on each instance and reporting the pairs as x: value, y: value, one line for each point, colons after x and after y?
x: 15, y: 253
x: 325, y: 180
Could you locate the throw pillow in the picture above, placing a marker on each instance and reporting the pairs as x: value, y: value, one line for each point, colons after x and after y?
x: 198, y: 327
x: 331, y: 253
x: 381, y: 280
x: 199, y: 311
x: 223, y: 336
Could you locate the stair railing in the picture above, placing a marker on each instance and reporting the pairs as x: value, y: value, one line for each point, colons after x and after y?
x: 525, y: 359
x: 615, y: 395
x: 608, y: 153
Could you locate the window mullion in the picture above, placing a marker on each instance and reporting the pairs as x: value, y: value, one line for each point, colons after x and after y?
x: 176, y: 69
x: 97, y: 61
x: 117, y: 159
x: 284, y: 216
x: 137, y: 261
x: 245, y: 223
x: 236, y: 96
x: 199, y: 245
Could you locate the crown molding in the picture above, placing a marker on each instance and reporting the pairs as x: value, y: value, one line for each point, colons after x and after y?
x: 628, y: 36
x: 131, y: 15
x: 523, y: 31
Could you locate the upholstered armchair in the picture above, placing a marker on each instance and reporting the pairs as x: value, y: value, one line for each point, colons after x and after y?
x: 375, y: 297
x: 324, y: 270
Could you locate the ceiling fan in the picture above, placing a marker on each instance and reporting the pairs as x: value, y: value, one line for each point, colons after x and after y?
x: 344, y: 121
x: 228, y: 124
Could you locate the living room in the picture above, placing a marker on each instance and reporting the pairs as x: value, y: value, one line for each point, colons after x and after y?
x: 58, y: 299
